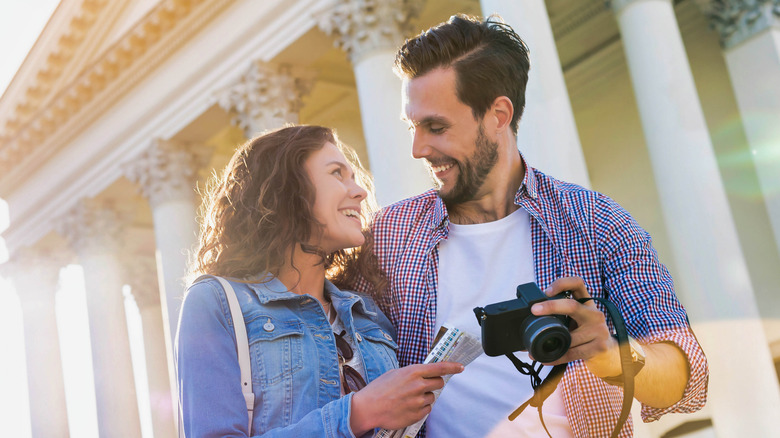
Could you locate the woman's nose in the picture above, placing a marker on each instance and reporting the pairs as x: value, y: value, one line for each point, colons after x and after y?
x: 359, y: 192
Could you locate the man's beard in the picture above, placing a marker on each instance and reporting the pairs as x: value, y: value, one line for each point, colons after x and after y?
x: 473, y: 171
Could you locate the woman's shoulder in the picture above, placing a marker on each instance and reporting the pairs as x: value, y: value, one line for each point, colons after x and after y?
x: 206, y: 295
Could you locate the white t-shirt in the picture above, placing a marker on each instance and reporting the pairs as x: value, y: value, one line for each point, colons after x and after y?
x: 481, y: 264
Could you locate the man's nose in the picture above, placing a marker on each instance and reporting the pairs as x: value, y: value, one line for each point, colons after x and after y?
x: 420, y: 147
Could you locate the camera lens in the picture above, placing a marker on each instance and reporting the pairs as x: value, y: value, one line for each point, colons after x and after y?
x: 551, y: 344
x: 546, y: 337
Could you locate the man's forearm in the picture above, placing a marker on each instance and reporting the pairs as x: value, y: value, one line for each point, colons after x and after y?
x: 662, y: 380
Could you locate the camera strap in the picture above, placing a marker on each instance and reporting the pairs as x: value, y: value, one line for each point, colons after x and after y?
x: 543, y: 389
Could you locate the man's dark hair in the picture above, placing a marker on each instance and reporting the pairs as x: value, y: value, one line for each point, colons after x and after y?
x: 489, y: 59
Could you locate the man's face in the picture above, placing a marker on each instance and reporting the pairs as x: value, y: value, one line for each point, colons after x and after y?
x: 445, y: 134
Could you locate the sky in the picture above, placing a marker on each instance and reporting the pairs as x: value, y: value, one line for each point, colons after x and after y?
x: 21, y: 21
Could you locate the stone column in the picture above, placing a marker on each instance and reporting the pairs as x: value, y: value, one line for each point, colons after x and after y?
x: 166, y: 174
x: 547, y: 134
x: 35, y: 273
x: 370, y: 31
x: 93, y: 229
x: 713, y: 277
x: 141, y: 274
x: 266, y: 97
x: 750, y: 35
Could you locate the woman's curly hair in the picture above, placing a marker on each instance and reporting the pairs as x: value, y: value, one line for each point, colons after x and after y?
x: 261, y: 207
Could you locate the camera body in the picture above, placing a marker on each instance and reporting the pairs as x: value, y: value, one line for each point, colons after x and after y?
x: 509, y: 326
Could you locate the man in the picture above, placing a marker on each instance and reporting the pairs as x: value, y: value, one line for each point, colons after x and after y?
x: 495, y: 223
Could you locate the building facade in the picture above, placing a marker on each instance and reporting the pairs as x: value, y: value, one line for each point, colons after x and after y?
x: 122, y: 109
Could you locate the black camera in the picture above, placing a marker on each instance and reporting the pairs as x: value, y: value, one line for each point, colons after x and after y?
x: 510, y: 326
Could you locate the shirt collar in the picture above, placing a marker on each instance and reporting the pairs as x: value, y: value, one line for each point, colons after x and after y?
x: 528, y: 188
x: 440, y: 216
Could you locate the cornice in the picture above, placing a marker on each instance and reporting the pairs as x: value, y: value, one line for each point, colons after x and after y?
x: 123, y: 65
x: 54, y: 50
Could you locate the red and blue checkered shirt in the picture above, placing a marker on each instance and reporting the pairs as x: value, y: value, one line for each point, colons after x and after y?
x: 574, y: 232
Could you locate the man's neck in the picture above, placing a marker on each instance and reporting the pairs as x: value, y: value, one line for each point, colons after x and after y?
x: 496, y: 198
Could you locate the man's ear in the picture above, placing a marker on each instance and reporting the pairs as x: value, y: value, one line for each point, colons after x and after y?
x: 502, y: 111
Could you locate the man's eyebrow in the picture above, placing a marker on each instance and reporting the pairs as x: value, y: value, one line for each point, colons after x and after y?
x: 427, y: 120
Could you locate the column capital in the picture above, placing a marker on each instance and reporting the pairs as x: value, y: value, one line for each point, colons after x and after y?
x: 167, y: 170
x: 266, y: 97
x: 91, y: 226
x: 737, y: 20
x: 35, y: 272
x: 141, y: 274
x: 363, y: 26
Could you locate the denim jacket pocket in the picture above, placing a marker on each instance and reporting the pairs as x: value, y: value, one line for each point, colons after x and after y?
x: 276, y: 347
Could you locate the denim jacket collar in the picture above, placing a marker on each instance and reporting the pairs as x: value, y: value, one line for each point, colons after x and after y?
x: 275, y: 290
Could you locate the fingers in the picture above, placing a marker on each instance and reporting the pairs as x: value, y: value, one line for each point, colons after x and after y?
x: 427, y: 399
x: 577, y: 287
x: 574, y: 284
x: 439, y: 369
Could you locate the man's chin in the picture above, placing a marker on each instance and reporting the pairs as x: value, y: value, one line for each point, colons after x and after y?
x: 448, y: 195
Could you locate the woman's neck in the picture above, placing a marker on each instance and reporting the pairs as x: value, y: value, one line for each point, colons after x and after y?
x: 305, y: 275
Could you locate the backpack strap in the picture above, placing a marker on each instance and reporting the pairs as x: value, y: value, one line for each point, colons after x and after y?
x: 242, y: 345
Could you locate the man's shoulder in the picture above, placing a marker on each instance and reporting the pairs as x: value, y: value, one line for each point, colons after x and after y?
x: 409, y: 209
x: 571, y: 194
x: 588, y: 209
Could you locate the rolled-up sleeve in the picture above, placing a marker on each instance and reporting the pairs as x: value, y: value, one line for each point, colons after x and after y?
x: 643, y: 290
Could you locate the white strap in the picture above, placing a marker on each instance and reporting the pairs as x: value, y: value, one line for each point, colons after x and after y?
x: 242, y: 344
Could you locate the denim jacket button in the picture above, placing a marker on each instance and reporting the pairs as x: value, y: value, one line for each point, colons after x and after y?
x: 388, y: 337
x: 269, y: 326
x: 359, y: 338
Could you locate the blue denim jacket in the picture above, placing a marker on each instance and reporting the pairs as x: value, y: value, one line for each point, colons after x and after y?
x: 295, y: 375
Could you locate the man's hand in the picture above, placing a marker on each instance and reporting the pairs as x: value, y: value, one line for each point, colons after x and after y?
x: 399, y: 397
x: 662, y: 380
x: 591, y: 340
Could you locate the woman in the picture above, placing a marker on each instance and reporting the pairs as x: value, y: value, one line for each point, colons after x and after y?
x: 278, y: 222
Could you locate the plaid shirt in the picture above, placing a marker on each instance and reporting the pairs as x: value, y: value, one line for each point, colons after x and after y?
x: 574, y: 232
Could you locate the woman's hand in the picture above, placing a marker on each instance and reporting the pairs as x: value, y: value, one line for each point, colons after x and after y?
x: 399, y: 397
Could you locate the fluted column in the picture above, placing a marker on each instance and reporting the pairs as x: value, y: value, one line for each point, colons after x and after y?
x: 713, y: 277
x: 141, y: 274
x: 547, y: 134
x: 35, y: 274
x: 370, y: 31
x: 166, y: 174
x: 266, y: 97
x: 750, y: 35
x: 93, y: 229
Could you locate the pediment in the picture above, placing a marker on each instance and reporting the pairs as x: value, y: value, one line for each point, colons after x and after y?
x: 87, y: 46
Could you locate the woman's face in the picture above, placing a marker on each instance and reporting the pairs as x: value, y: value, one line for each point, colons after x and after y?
x: 337, y: 200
